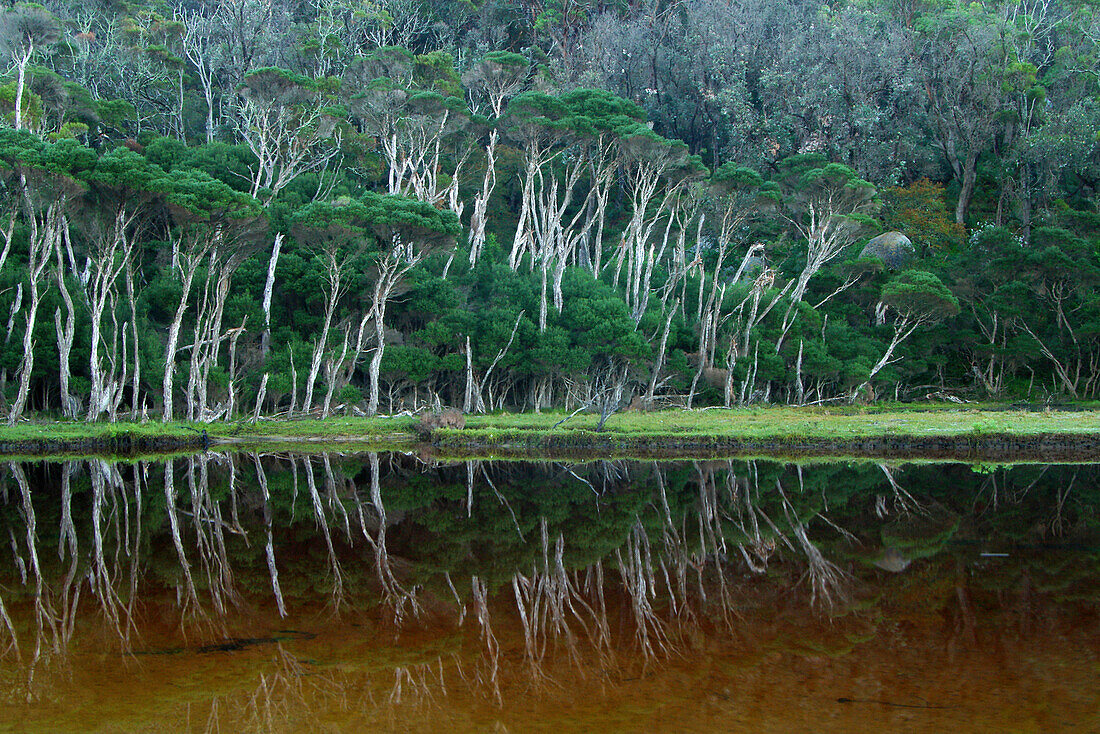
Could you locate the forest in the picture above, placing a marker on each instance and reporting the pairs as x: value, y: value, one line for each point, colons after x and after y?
x: 222, y: 210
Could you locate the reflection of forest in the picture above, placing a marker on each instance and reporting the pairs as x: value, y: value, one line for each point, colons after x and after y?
x: 262, y: 590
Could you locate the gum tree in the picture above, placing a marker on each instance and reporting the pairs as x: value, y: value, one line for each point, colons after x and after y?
x: 39, y: 182
x: 205, y: 214
x: 916, y: 298
x: 827, y: 205
x: 490, y: 83
x: 286, y: 123
x: 394, y: 234
x: 25, y: 30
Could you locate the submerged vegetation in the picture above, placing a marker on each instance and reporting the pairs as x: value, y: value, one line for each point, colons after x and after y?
x: 220, y: 211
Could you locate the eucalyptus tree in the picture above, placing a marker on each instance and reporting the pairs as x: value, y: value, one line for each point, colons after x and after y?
x: 570, y: 190
x: 123, y: 189
x: 235, y: 241
x: 256, y: 32
x: 405, y: 232
x: 490, y: 84
x: 992, y: 301
x: 394, y: 234
x: 1061, y: 272
x: 734, y: 198
x: 569, y: 153
x: 599, y: 122
x: 409, y: 104
x: 131, y: 64
x: 40, y: 182
x: 918, y: 299
x: 828, y: 206
x: 680, y: 62
x: 538, y: 125
x: 285, y: 120
x: 156, y: 74
x: 208, y: 220
x: 656, y: 173
x: 1049, y: 129
x: 436, y: 147
x: 98, y: 59
x: 26, y: 29
x: 955, y: 56
x: 337, y: 233
x: 205, y: 45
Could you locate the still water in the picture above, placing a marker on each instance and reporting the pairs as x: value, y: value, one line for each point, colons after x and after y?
x: 283, y: 592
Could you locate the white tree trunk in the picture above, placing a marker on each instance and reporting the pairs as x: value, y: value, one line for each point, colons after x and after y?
x: 322, y: 339
x: 20, y: 84
x: 269, y: 287
x: 170, y: 348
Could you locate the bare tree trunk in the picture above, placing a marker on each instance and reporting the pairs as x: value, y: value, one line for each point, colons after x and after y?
x: 260, y: 395
x: 40, y: 246
x: 65, y: 335
x: 660, y: 362
x: 903, y: 328
x: 376, y: 359
x: 468, y: 396
x: 322, y: 339
x: 231, y: 398
x: 187, y: 274
x: 135, y: 390
x: 966, y: 189
x: 191, y: 392
x: 214, y: 335
x: 20, y: 84
x: 332, y: 367
x: 269, y: 287
x: 43, y: 239
x: 479, y: 218
x: 105, y: 267
x: 800, y: 392
x: 293, y: 385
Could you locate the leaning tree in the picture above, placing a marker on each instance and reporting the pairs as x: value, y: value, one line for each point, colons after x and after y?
x: 828, y: 205
x: 917, y: 298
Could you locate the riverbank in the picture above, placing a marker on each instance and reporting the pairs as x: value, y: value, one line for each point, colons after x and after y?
x: 888, y: 431
x: 926, y: 431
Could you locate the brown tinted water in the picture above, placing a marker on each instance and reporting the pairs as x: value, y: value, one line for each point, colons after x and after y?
x: 376, y: 592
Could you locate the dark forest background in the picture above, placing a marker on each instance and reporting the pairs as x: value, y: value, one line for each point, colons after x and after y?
x: 215, y: 210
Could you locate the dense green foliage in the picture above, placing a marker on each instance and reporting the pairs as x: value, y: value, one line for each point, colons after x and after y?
x: 222, y: 209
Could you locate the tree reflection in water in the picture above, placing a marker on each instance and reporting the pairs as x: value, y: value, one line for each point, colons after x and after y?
x: 596, y: 572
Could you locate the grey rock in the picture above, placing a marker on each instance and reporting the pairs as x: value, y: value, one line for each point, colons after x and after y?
x: 893, y: 248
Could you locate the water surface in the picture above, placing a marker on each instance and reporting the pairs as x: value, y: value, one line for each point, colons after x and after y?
x: 280, y: 592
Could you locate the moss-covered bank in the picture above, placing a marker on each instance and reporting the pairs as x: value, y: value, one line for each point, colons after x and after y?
x: 932, y: 431
x: 1055, y: 447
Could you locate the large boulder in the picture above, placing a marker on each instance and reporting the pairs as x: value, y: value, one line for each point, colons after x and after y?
x: 429, y: 422
x: 893, y: 248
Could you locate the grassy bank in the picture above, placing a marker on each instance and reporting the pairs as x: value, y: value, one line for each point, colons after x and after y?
x: 874, y: 430
x: 64, y: 437
x: 800, y: 423
x: 930, y: 431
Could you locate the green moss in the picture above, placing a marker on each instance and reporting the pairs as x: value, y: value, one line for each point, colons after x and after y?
x: 771, y: 430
